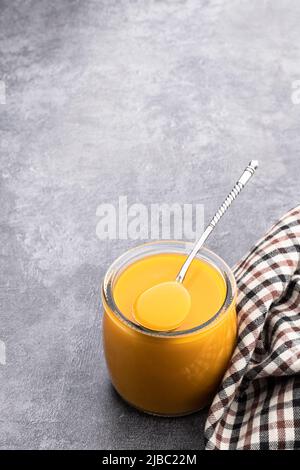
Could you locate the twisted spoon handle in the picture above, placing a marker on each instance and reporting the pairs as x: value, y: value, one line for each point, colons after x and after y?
x: 240, y: 184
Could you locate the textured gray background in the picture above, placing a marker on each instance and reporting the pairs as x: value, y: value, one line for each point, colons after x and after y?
x: 162, y: 101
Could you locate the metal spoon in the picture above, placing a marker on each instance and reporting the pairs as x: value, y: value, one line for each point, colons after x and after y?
x: 150, y: 307
x: 240, y: 184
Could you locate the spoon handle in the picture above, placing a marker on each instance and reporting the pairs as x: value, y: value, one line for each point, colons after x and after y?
x: 240, y: 184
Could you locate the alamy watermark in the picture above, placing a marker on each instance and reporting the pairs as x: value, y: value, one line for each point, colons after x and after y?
x: 2, y: 353
x: 2, y: 92
x: 156, y: 221
x: 295, y: 96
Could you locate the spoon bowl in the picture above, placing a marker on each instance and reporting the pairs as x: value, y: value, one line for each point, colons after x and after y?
x: 163, y: 307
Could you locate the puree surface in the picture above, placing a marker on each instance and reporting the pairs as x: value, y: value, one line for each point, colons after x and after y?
x: 204, y: 283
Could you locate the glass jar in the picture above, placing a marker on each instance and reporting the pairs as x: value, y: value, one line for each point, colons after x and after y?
x: 167, y: 373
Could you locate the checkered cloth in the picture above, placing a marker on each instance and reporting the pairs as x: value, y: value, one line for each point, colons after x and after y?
x: 258, y: 403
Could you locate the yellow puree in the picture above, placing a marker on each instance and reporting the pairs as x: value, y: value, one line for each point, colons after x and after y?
x: 169, y: 375
x: 169, y: 305
x: 163, y: 307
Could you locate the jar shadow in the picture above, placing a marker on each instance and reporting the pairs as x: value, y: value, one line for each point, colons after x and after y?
x: 139, y: 430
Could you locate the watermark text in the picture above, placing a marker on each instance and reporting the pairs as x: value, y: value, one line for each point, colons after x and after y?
x: 156, y: 221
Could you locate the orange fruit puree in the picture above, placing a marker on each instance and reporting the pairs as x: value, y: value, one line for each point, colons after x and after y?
x: 177, y: 372
x: 204, y: 283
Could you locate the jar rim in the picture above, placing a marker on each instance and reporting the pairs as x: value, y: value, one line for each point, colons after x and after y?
x: 160, y: 247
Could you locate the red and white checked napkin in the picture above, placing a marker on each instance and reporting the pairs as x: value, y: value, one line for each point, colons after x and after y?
x: 258, y: 403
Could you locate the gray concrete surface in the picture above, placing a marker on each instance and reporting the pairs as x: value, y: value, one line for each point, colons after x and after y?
x: 162, y: 101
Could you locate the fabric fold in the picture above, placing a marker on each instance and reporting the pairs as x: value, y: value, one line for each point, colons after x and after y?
x: 258, y: 403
